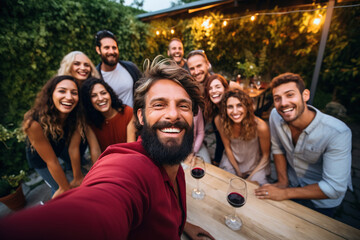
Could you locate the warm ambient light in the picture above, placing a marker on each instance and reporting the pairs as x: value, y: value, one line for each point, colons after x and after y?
x: 206, y: 24
x: 172, y: 31
x: 317, y: 20
x: 252, y: 18
x: 225, y: 23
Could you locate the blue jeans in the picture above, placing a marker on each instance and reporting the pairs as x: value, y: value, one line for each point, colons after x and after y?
x: 307, y: 203
x: 49, y: 180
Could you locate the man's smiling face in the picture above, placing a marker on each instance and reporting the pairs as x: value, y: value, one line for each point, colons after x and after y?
x: 288, y: 101
x: 176, y: 51
x: 167, y: 119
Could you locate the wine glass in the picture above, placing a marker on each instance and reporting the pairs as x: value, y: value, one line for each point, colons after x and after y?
x: 236, y: 197
x: 197, y: 172
x: 251, y: 87
x: 257, y: 82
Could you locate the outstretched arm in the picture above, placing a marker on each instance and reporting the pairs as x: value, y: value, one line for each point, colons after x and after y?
x: 94, y: 147
x: 268, y: 191
x: 74, y: 153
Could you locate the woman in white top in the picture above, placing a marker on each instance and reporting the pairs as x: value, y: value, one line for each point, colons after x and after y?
x: 246, y: 138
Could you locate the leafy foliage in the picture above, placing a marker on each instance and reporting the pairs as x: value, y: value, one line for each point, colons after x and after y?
x: 35, y: 35
x: 9, y: 183
x: 276, y: 44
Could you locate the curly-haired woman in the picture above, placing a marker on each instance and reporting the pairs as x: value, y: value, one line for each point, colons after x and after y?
x: 108, y: 117
x: 50, y: 126
x: 246, y: 138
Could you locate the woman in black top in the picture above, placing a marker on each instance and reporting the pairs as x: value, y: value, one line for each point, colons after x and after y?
x: 49, y: 126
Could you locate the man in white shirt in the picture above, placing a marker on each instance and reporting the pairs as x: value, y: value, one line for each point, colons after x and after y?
x: 120, y: 75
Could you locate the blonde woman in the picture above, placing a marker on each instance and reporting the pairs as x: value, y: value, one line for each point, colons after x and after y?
x: 78, y: 65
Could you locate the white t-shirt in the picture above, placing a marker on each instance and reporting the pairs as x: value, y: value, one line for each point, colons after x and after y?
x: 121, y: 82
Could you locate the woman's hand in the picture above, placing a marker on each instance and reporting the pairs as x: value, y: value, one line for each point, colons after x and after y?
x: 76, y: 182
x: 60, y: 191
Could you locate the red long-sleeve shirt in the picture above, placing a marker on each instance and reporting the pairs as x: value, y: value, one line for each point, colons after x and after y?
x: 124, y: 196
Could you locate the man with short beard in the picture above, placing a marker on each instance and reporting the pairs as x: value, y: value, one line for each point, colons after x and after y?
x: 312, y: 150
x: 200, y: 68
x: 120, y: 75
x: 134, y: 190
x: 176, y: 52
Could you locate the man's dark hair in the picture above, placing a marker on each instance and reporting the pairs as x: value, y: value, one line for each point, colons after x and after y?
x: 165, y: 68
x: 286, y: 78
x: 103, y: 34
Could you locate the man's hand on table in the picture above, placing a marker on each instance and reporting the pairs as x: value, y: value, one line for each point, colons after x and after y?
x: 271, y: 191
x: 196, y: 232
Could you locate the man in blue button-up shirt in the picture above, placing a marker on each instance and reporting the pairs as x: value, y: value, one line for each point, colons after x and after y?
x: 312, y: 150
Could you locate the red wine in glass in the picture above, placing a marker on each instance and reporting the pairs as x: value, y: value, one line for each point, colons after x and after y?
x: 197, y: 173
x: 236, y: 199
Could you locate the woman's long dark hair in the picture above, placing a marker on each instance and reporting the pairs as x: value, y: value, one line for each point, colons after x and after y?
x: 91, y: 114
x: 48, y: 116
x: 211, y: 109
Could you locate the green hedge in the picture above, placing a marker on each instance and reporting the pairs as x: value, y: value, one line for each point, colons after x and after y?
x: 35, y: 35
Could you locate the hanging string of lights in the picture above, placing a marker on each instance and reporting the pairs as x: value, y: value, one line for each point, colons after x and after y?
x: 252, y: 17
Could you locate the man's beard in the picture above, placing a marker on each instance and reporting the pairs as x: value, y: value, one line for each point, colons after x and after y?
x: 112, y: 63
x: 300, y: 109
x: 171, y: 153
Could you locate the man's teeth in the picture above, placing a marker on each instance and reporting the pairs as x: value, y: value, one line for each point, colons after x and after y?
x: 288, y: 110
x: 170, y: 130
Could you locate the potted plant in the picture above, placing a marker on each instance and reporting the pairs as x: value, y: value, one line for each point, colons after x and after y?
x: 11, y: 193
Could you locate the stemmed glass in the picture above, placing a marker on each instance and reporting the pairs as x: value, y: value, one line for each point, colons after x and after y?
x: 197, y: 172
x: 257, y: 82
x: 236, y: 197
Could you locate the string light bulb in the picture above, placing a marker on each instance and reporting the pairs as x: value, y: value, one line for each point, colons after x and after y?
x: 317, y: 20
x: 207, y: 24
x: 172, y: 31
x: 252, y: 18
x: 158, y: 33
x: 225, y: 23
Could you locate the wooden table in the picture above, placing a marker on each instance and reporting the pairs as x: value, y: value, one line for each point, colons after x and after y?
x: 262, y: 219
x: 258, y: 96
